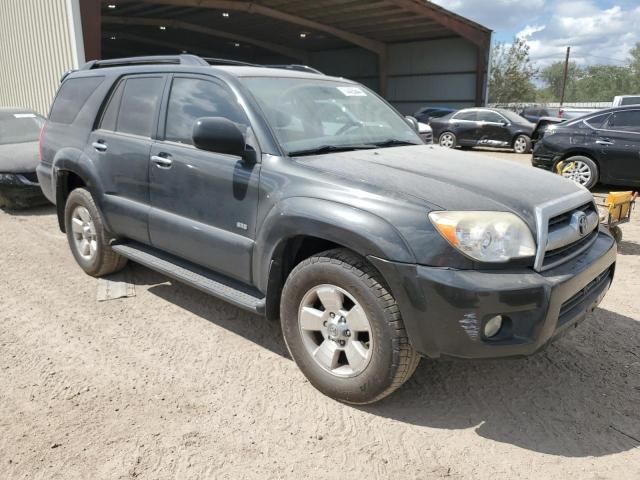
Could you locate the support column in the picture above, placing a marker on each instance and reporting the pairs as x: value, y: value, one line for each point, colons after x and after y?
x: 90, y: 12
x: 481, y: 70
x: 382, y: 72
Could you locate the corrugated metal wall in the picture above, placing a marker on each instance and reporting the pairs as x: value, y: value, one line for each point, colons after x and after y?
x: 427, y: 72
x: 39, y: 41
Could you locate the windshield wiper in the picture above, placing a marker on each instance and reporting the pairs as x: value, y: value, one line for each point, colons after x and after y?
x: 392, y: 142
x: 332, y: 148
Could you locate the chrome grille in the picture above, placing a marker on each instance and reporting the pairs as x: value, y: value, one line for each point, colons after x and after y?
x: 559, y: 236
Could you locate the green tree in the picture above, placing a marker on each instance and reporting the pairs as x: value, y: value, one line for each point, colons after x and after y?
x: 634, y: 64
x: 552, y: 76
x: 511, y: 73
x: 600, y: 83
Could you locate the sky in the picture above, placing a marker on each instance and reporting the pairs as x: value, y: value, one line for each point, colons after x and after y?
x: 598, y: 31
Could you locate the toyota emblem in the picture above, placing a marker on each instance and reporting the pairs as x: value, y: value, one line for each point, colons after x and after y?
x: 580, y: 222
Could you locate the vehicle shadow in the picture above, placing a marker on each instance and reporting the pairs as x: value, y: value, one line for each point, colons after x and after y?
x: 577, y: 398
x: 628, y: 248
x: 580, y: 397
x: 32, y: 211
x: 250, y: 326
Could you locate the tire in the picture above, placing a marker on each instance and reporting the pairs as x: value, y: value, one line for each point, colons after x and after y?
x: 384, y: 357
x: 522, y: 144
x: 447, y: 140
x: 88, y: 239
x: 584, y: 171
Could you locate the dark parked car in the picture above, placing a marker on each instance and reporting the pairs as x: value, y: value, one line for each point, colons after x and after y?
x: 19, y: 132
x: 371, y: 248
x: 483, y: 127
x: 424, y: 115
x: 602, y: 147
x: 535, y: 113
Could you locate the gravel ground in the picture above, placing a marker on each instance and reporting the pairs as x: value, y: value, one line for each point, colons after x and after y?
x: 174, y: 384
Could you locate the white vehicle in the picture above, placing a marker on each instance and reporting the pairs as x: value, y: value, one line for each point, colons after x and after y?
x: 620, y: 100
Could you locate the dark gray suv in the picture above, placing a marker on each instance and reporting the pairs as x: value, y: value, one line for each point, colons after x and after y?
x: 307, y: 198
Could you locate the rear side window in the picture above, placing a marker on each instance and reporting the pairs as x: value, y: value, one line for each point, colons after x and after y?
x: 192, y: 98
x: 630, y: 101
x: 138, y: 106
x: 628, y: 121
x: 72, y: 95
x: 110, y: 115
x: 19, y: 127
x: 466, y: 116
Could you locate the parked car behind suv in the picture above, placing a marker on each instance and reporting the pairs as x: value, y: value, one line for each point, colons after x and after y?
x: 602, y: 147
x: 372, y: 248
x: 483, y: 127
x: 19, y: 132
x: 534, y: 113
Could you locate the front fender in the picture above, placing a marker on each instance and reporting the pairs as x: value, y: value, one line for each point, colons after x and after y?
x: 353, y: 228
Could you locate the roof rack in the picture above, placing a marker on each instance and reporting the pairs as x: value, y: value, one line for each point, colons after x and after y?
x: 226, y: 61
x: 184, y: 59
x: 297, y: 68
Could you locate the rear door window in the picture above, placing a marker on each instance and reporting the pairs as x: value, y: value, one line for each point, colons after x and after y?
x: 598, y: 121
x: 110, y: 115
x: 472, y: 116
x: 628, y: 121
x: 193, y: 98
x: 139, y: 105
x: 492, y: 117
x: 72, y: 95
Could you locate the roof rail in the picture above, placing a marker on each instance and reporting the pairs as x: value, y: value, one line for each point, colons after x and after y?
x: 226, y: 61
x: 184, y: 59
x: 297, y: 68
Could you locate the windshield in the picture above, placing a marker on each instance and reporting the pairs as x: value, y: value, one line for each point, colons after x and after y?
x: 19, y: 127
x: 317, y: 114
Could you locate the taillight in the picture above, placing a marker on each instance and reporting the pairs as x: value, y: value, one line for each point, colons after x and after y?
x: 44, y: 127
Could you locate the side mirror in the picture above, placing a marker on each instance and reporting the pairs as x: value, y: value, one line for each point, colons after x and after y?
x: 504, y: 123
x: 413, y: 122
x: 220, y: 135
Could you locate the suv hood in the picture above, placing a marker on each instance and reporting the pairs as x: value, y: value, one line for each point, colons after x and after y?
x: 448, y: 179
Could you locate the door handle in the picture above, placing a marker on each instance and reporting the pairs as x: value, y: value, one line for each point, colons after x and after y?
x: 161, y: 162
x: 604, y: 141
x: 99, y: 146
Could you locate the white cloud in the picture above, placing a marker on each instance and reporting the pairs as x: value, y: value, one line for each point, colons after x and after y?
x: 596, y: 34
x: 529, y: 30
x: 495, y: 14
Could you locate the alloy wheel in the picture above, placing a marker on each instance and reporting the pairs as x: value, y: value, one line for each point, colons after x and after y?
x: 447, y: 140
x: 335, y: 330
x: 577, y: 171
x: 84, y: 233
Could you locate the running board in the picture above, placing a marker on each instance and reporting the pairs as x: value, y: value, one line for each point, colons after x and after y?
x: 203, y: 279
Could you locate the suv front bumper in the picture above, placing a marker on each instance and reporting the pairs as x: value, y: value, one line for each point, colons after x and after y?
x: 445, y: 310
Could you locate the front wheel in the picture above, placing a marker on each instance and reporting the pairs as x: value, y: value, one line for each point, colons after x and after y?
x: 87, y: 236
x: 522, y: 144
x: 343, y: 328
x: 447, y: 140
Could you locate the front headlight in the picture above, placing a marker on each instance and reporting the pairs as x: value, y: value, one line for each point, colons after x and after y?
x: 486, y: 236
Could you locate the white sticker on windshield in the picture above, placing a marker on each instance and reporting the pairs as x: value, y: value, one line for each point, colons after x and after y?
x: 24, y: 115
x: 352, y: 91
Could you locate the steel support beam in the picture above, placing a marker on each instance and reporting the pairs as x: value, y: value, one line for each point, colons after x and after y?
x: 255, y: 8
x: 180, y: 25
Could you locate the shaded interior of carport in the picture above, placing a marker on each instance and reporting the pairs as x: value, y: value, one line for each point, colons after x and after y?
x: 411, y: 51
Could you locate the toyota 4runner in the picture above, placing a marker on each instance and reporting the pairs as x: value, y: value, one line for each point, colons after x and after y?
x: 309, y: 199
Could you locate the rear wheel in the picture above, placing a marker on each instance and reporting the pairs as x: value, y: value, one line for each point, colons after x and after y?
x: 87, y: 236
x: 581, y: 170
x: 343, y: 328
x: 447, y: 140
x: 522, y: 144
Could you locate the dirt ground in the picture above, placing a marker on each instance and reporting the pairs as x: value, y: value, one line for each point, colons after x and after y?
x: 172, y: 384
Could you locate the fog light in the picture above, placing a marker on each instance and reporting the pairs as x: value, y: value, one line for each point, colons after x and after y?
x: 493, y: 326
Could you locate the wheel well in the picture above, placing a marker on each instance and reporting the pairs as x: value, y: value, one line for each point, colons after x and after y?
x: 288, y: 254
x: 67, y: 182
